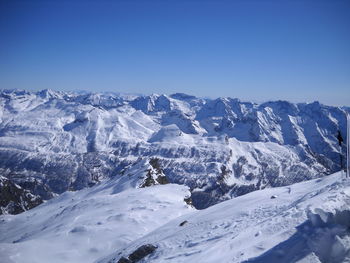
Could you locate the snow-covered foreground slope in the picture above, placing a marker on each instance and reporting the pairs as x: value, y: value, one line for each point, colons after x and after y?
x: 85, y: 225
x: 51, y: 142
x: 305, y: 222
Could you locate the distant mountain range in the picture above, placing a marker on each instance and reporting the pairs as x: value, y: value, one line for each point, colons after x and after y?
x: 51, y: 142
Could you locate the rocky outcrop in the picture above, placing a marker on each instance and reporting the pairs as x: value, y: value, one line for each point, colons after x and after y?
x: 154, y: 174
x: 138, y: 254
x: 14, y: 199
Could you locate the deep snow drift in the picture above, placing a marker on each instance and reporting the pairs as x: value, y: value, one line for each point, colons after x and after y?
x: 304, y: 222
x: 51, y: 142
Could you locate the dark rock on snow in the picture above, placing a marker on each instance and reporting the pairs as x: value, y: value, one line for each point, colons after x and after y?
x: 138, y: 254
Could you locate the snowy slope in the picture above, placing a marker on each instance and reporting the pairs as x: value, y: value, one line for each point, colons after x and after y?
x: 304, y: 222
x: 85, y: 225
x: 51, y: 142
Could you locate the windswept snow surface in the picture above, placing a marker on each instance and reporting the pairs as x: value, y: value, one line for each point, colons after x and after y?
x: 85, y: 225
x: 305, y: 222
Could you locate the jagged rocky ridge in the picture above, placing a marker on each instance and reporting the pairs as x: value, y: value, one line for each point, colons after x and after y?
x: 51, y: 142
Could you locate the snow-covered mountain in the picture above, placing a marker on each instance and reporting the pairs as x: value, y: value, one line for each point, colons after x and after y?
x: 51, y: 142
x: 112, y: 222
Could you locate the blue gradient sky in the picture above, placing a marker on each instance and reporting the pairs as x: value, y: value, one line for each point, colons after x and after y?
x: 253, y: 50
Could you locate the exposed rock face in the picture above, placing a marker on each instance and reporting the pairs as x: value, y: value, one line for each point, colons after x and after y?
x: 183, y: 223
x: 51, y: 142
x: 138, y: 254
x: 14, y: 199
x: 154, y: 175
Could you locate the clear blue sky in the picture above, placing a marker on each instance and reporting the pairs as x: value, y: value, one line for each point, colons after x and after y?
x: 254, y: 50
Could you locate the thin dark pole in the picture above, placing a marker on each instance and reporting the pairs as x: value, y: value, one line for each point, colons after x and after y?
x: 341, y: 159
x: 347, y: 145
x: 340, y: 140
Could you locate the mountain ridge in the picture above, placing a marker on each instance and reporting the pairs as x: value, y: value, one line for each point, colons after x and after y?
x: 220, y: 148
